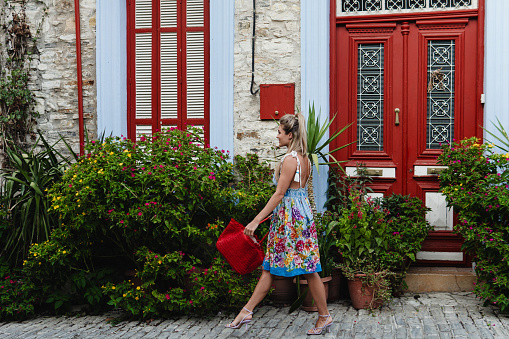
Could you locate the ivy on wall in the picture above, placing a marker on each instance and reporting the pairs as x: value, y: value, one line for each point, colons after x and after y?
x: 17, y: 48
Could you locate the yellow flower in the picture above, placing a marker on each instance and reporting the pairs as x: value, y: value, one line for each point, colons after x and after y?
x: 112, y: 287
x: 136, y: 298
x: 124, y: 295
x: 111, y: 153
x: 121, y: 164
x: 35, y: 254
x: 125, y: 151
x: 138, y: 288
x: 159, y: 262
x: 64, y: 252
x: 129, y: 155
x: 55, y: 207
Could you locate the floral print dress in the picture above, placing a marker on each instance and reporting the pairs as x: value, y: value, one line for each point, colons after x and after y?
x: 292, y: 248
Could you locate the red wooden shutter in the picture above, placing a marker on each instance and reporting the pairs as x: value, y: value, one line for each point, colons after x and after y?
x: 168, y: 65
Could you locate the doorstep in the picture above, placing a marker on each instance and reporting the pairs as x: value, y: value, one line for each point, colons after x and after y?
x: 440, y: 279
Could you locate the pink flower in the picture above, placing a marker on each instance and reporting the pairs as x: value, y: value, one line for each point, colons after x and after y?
x: 167, y: 297
x: 195, y: 168
x: 140, y: 215
x: 121, y: 221
x: 70, y: 185
x: 202, y: 288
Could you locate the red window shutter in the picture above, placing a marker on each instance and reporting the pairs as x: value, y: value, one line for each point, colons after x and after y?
x: 168, y: 65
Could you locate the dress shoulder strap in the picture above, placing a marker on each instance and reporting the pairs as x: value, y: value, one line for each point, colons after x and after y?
x: 297, y: 173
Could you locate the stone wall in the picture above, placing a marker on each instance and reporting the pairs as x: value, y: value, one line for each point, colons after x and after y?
x: 277, y: 61
x: 54, y: 68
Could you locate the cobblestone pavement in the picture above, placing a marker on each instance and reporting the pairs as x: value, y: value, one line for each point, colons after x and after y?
x: 433, y: 315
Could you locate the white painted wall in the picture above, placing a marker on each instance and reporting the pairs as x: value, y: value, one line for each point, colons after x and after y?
x: 111, y: 67
x: 315, y: 74
x: 222, y: 38
x: 496, y: 83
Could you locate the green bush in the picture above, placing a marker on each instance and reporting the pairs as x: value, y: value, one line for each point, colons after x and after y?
x: 25, y: 217
x: 176, y: 282
x: 476, y: 186
x: 17, y: 295
x: 407, y: 231
x: 165, y: 194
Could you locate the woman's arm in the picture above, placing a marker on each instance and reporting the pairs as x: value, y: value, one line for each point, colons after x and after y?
x: 288, y: 169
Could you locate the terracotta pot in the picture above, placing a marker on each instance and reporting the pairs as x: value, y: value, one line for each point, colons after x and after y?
x: 309, y: 304
x: 335, y: 285
x: 285, y: 291
x: 362, y: 295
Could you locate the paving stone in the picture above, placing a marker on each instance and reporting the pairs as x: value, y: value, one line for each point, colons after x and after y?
x: 433, y: 315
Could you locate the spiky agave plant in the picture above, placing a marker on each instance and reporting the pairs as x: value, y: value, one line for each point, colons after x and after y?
x: 316, y: 132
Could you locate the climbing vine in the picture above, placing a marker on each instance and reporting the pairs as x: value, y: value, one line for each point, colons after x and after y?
x: 18, y: 46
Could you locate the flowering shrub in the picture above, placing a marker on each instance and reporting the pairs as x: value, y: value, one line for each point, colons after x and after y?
x: 61, y: 261
x: 362, y: 235
x: 17, y: 297
x: 164, y: 194
x: 476, y: 185
x: 407, y: 232
x: 175, y: 282
x: 159, y: 192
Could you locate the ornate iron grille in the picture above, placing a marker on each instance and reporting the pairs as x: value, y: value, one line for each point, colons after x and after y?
x: 355, y: 6
x: 440, y: 110
x: 370, y: 97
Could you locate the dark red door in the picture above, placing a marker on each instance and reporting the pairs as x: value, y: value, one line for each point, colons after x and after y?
x: 408, y: 86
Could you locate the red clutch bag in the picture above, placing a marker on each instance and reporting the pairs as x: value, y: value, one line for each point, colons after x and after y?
x: 241, y: 252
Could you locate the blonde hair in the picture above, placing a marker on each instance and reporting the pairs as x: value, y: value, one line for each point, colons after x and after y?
x: 296, y: 124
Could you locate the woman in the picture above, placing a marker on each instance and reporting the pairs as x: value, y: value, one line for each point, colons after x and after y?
x: 292, y: 247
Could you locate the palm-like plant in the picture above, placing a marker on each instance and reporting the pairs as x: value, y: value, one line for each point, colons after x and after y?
x: 316, y: 132
x: 502, y: 144
x: 25, y: 182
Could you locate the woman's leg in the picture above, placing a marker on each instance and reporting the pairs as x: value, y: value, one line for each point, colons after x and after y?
x: 318, y: 293
x: 261, y: 290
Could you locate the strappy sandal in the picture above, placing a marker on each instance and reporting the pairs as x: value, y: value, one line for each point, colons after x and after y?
x: 242, y: 322
x: 320, y: 330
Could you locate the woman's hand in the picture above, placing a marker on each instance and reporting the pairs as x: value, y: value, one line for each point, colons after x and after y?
x: 251, y: 228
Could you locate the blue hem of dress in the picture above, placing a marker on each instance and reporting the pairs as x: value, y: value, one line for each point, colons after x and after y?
x: 283, y: 272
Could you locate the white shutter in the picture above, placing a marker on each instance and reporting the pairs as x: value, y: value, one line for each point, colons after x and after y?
x: 143, y: 13
x: 143, y: 75
x: 169, y: 76
x: 143, y: 129
x: 195, y: 75
x: 168, y: 13
x: 194, y: 13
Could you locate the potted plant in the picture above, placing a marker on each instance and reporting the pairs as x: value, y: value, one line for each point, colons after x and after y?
x: 362, y: 239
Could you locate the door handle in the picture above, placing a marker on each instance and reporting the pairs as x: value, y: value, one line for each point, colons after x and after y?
x: 396, y: 122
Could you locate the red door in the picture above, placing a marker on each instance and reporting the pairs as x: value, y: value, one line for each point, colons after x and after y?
x: 408, y: 85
